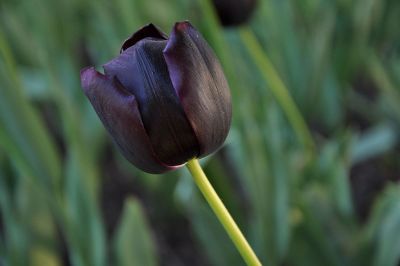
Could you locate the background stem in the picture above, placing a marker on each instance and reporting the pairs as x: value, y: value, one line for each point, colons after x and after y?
x: 278, y: 89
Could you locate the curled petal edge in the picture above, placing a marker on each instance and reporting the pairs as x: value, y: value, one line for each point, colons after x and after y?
x: 148, y: 31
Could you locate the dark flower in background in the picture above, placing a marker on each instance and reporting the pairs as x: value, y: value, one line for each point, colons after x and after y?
x: 234, y: 12
x: 163, y: 100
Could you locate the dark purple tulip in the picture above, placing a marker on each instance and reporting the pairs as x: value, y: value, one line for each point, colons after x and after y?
x: 163, y: 100
x: 234, y: 12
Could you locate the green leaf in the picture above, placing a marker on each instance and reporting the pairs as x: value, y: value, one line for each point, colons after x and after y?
x: 83, y: 225
x: 374, y: 142
x: 22, y: 132
x: 40, y: 256
x: 384, y: 228
x: 133, y: 244
x: 15, y: 235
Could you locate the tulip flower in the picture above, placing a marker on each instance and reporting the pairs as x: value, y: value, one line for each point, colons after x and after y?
x: 163, y: 100
x: 234, y: 12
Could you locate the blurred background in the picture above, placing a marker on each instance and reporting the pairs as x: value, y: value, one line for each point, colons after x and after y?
x: 310, y: 169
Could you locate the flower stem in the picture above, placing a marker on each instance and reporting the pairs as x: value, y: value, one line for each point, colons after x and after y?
x: 222, y: 213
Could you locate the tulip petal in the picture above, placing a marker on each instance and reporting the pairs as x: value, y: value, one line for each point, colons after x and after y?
x: 143, y: 72
x: 200, y: 83
x: 118, y: 110
x: 148, y: 31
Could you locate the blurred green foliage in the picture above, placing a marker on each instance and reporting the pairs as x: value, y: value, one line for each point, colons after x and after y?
x: 310, y: 170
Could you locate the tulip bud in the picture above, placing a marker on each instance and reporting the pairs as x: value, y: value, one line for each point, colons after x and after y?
x: 163, y: 100
x: 234, y: 12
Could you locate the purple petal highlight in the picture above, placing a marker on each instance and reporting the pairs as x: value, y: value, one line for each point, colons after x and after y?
x: 201, y: 85
x: 143, y: 72
x: 118, y: 110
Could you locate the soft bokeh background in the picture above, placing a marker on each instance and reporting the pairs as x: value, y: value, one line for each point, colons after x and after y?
x: 310, y: 170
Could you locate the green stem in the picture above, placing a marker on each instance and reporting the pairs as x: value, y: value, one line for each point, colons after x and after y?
x: 222, y: 213
x: 278, y: 88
